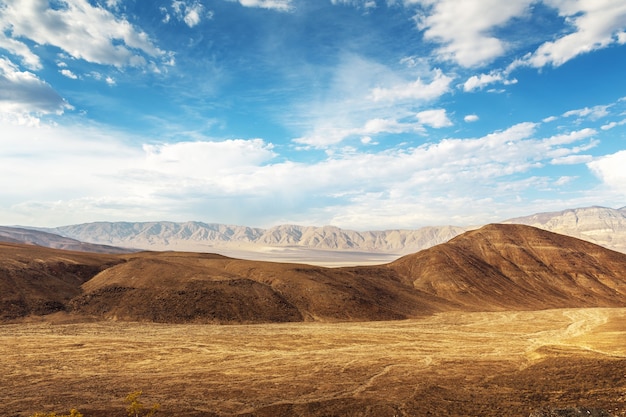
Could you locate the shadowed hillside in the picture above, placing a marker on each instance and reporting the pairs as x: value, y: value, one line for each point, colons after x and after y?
x: 498, y: 267
x: 37, y: 281
x: 182, y: 287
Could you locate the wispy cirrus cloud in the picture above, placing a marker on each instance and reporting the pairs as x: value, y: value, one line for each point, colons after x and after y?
x: 414, y: 90
x: 189, y: 12
x: 280, y: 5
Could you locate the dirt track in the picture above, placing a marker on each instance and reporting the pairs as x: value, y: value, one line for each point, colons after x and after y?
x: 507, y: 363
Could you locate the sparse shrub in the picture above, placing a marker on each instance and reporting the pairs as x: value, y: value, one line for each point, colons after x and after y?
x: 136, y: 407
x: 73, y: 413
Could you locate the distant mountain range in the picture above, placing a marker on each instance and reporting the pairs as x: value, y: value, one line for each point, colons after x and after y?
x: 168, y: 235
x: 600, y: 225
x: 327, y: 245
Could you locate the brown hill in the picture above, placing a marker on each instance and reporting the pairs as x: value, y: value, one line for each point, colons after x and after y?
x: 184, y: 287
x: 35, y: 280
x: 498, y: 267
x: 506, y: 266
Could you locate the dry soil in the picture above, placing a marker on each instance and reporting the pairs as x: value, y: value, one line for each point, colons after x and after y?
x: 449, y: 364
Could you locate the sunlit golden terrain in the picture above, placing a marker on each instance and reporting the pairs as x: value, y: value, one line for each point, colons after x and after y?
x: 453, y: 363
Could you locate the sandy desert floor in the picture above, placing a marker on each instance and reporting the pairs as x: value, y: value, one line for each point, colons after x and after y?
x: 482, y: 364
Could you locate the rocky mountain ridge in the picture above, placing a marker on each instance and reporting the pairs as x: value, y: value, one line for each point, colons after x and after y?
x: 328, y: 245
x: 600, y: 225
x: 198, y: 236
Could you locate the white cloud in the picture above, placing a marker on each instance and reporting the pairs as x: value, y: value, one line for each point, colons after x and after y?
x: 206, y: 158
x: 470, y: 118
x: 567, y: 138
x: 572, y: 160
x: 330, y: 135
x: 611, y: 125
x: 464, y: 28
x: 29, y: 59
x: 596, y: 23
x: 23, y: 92
x: 610, y: 169
x: 366, y: 4
x: 416, y: 90
x: 69, y: 74
x: 477, y: 82
x: 81, y: 30
x: 436, y: 118
x: 64, y: 175
x: 191, y: 13
x: 348, y: 107
x: 593, y: 113
x: 280, y: 5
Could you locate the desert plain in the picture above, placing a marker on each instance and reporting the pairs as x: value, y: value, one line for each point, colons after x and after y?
x: 509, y: 363
x: 506, y: 320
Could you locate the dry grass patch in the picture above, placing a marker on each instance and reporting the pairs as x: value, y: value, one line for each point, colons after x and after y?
x: 504, y: 363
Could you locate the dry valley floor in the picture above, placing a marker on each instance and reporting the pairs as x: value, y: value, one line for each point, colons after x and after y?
x: 448, y: 364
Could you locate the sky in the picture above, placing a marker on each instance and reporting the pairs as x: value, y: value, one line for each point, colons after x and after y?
x: 363, y: 114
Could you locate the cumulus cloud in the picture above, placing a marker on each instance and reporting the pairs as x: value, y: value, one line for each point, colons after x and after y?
x: 610, y: 169
x: 464, y: 29
x: 23, y: 92
x: 29, y: 59
x: 436, y: 118
x: 478, y: 82
x: 69, y: 74
x: 596, y: 24
x: 470, y: 118
x: 81, y: 30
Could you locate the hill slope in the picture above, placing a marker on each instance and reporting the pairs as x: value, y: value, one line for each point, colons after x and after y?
x: 36, y: 280
x: 183, y: 287
x: 518, y: 267
x: 498, y: 267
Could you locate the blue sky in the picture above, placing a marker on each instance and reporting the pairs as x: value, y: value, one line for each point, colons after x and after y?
x: 365, y: 114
